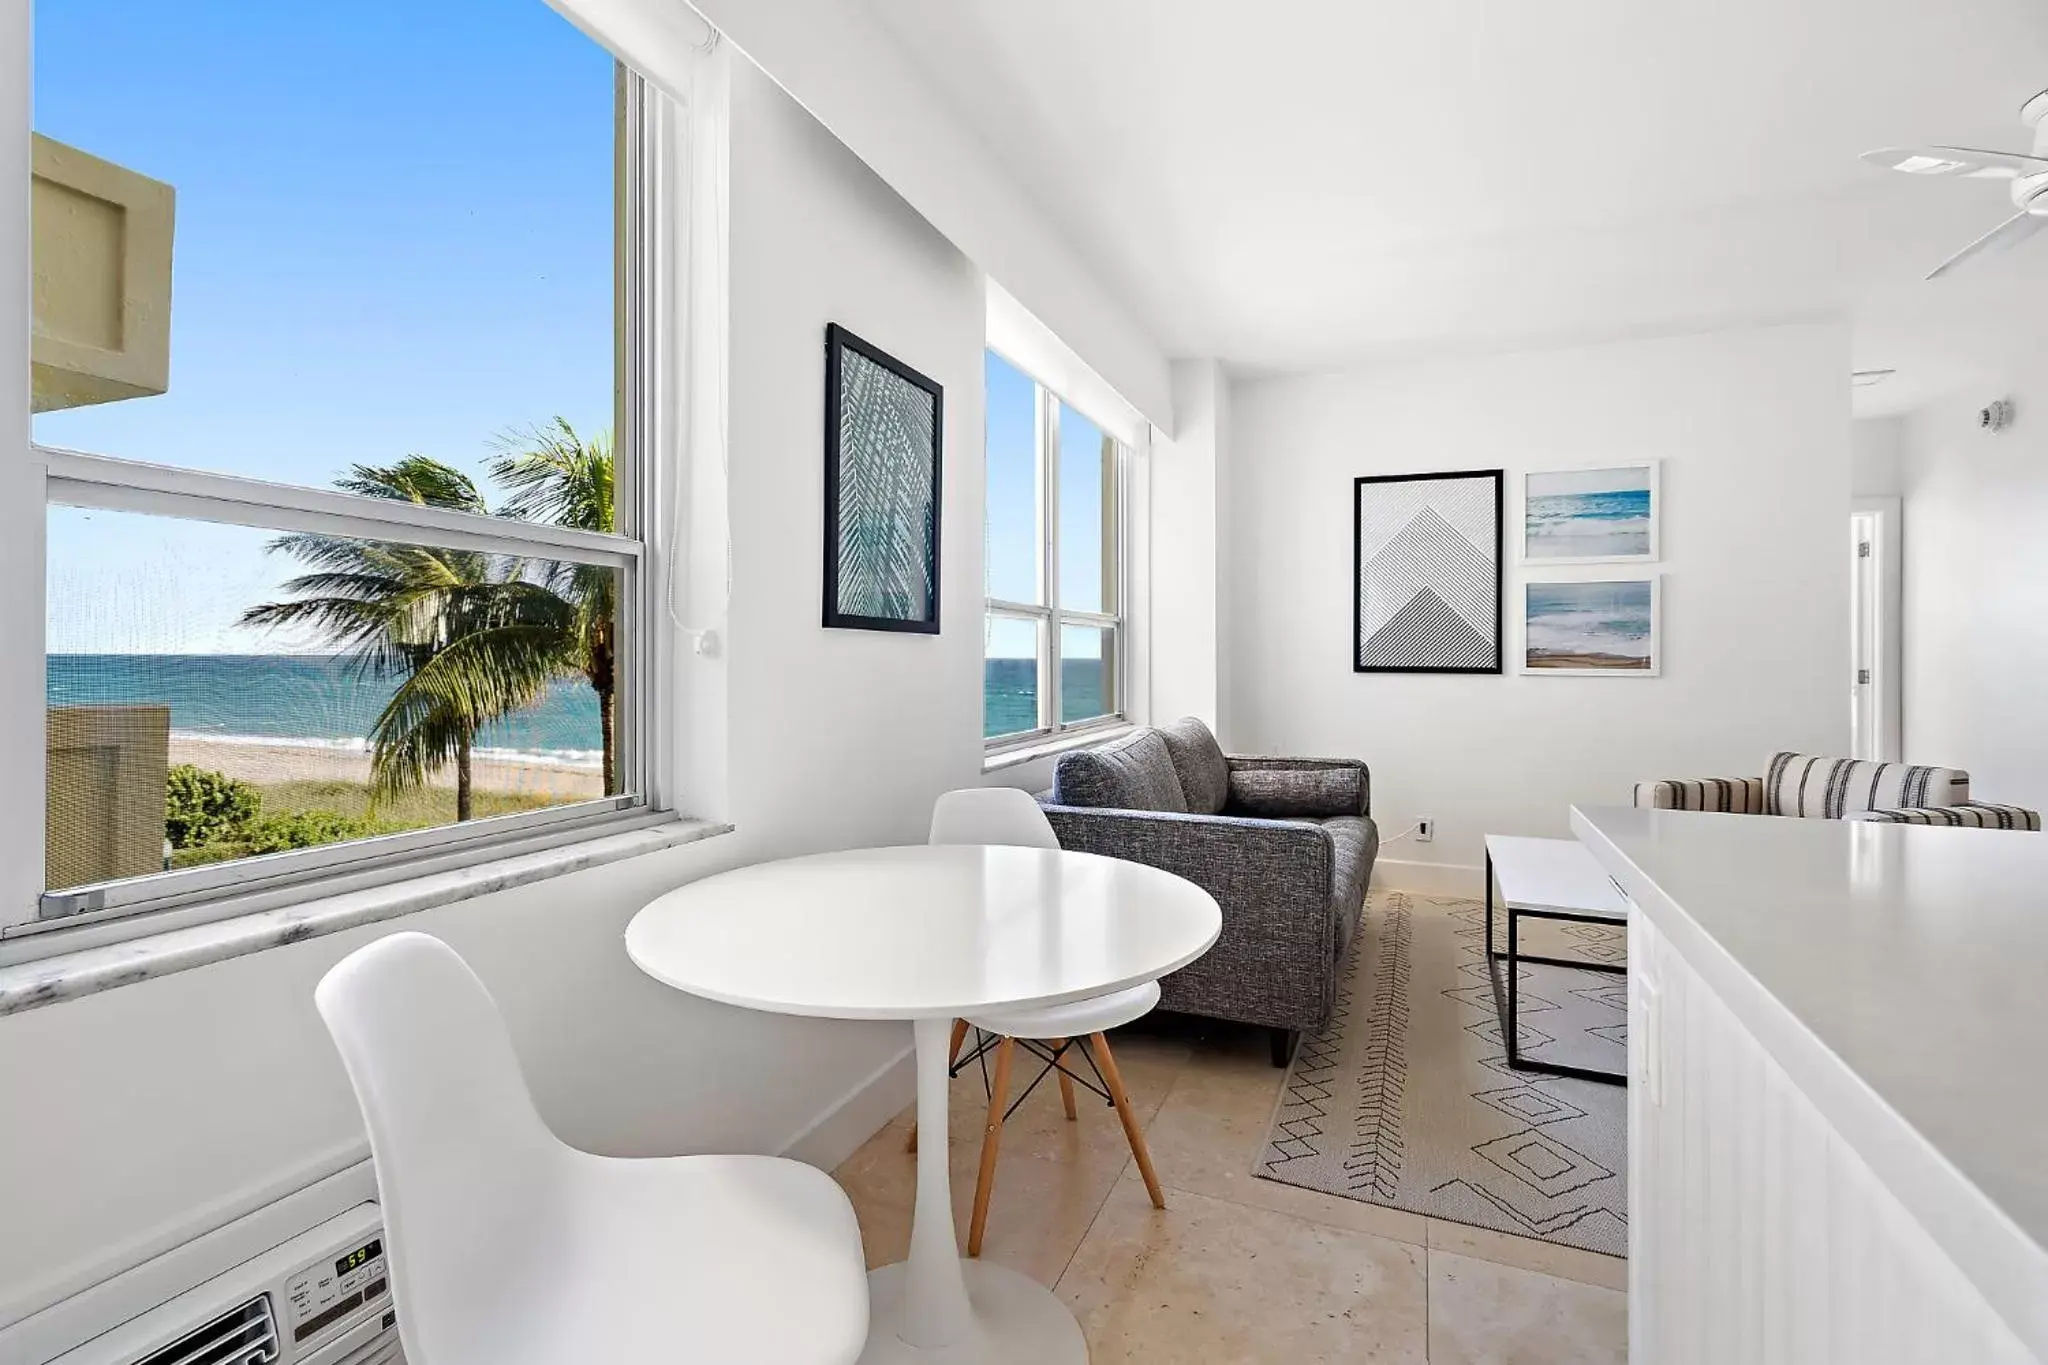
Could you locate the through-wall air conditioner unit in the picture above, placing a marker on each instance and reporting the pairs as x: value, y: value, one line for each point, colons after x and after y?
x: 320, y: 1298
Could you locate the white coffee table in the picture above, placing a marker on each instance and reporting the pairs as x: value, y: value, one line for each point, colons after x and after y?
x: 931, y: 934
x: 1554, y: 879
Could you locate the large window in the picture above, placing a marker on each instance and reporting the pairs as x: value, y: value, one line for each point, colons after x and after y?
x: 347, y: 503
x: 1054, y: 639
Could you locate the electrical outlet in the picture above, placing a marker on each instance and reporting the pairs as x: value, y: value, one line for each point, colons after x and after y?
x: 1425, y: 830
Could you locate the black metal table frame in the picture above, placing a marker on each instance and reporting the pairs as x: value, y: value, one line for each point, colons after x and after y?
x: 1505, y: 1003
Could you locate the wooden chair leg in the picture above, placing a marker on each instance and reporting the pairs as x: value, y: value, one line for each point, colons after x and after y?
x: 1106, y: 1063
x: 1066, y: 1081
x: 952, y: 1056
x: 991, y: 1140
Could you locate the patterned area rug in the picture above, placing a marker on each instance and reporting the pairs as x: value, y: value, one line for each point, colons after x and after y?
x: 1406, y: 1099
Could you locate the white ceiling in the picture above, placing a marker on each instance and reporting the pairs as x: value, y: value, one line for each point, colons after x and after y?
x: 1306, y: 184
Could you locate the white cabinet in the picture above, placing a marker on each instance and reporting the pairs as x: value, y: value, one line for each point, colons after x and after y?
x: 1756, y: 1234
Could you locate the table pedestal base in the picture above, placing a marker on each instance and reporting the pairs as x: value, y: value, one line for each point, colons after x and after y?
x: 1017, y: 1321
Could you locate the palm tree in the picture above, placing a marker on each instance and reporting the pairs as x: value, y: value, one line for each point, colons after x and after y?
x: 472, y: 637
x: 554, y: 475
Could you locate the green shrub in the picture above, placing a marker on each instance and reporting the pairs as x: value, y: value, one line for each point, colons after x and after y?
x: 203, y: 807
x: 224, y: 851
x: 302, y: 829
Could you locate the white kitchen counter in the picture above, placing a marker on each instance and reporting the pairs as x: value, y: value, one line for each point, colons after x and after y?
x: 1899, y: 977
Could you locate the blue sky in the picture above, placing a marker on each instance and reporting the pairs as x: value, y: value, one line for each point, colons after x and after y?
x: 394, y: 235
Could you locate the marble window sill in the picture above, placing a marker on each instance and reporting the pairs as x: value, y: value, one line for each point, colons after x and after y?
x: 86, y: 971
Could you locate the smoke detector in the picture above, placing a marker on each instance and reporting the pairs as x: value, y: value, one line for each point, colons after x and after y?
x: 1995, y: 416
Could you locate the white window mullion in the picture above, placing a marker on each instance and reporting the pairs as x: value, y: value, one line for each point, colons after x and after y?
x: 1049, y: 684
x: 1120, y: 689
x: 53, y: 478
x: 22, y: 676
x: 100, y: 481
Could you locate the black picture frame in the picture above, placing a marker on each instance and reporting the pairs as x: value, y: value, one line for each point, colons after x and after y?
x: 1496, y: 579
x: 838, y: 343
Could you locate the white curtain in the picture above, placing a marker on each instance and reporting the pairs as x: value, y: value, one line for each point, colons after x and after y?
x: 686, y: 63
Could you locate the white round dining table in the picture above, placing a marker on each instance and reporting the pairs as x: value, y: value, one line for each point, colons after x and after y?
x: 931, y: 934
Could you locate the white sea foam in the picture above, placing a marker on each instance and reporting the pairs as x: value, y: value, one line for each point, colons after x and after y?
x: 357, y: 744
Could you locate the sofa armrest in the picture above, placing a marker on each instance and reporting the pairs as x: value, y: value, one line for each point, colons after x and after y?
x: 1969, y: 815
x: 1273, y: 878
x: 1274, y: 963
x: 1352, y: 796
x: 1729, y: 795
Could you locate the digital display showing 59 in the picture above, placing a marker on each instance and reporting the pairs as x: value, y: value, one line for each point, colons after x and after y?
x: 360, y: 1257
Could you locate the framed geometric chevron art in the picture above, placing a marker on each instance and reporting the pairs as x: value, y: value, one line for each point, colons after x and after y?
x: 882, y: 456
x: 1426, y: 572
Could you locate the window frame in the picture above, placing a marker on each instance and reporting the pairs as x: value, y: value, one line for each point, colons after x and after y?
x: 1047, y: 615
x: 646, y: 215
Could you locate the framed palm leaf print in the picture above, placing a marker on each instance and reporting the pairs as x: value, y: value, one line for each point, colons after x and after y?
x: 883, y: 422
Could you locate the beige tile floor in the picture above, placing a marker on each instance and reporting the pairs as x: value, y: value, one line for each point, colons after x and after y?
x: 1236, y: 1268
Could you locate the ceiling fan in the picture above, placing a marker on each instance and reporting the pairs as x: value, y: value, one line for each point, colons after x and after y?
x: 2027, y: 178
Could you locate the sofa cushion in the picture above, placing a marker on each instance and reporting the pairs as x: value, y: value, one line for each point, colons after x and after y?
x: 1821, y: 788
x: 1134, y: 772
x: 1293, y: 793
x: 1971, y: 815
x: 1199, y: 763
x: 1357, y: 843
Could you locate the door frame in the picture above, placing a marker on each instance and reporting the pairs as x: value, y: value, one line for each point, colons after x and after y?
x: 1875, y: 610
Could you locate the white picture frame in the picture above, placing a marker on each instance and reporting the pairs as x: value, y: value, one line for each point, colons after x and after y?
x: 1585, y: 514
x: 1593, y: 627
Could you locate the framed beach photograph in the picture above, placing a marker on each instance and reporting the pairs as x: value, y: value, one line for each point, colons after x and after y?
x: 883, y: 422
x: 1603, y: 515
x: 1426, y: 572
x: 1606, y: 628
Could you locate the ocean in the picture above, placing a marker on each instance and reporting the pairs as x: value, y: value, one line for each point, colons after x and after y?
x: 1593, y: 619
x: 1589, y: 525
x: 317, y: 700
x: 1010, y: 693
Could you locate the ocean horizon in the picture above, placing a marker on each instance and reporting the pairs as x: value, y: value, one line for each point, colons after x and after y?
x: 313, y: 701
x: 325, y: 702
x: 1010, y: 693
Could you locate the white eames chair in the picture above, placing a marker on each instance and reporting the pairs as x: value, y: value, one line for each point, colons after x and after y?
x: 1007, y: 816
x: 509, y: 1247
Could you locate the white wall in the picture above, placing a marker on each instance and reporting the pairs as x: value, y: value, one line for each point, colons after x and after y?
x: 126, y: 1113
x: 842, y: 64
x: 1184, y: 516
x: 1877, y: 452
x: 1753, y: 429
x: 1976, y: 588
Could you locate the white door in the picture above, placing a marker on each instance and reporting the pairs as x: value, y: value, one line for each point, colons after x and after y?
x: 1874, y: 564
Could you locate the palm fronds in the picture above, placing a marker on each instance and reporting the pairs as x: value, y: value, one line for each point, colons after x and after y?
x: 556, y: 476
x: 470, y: 637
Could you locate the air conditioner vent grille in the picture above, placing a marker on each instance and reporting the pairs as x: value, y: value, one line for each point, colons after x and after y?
x: 241, y: 1336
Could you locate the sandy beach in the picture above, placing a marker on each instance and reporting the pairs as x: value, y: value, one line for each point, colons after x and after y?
x: 272, y: 764
x: 1620, y: 663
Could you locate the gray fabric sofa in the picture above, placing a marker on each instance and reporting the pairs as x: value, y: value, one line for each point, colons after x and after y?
x: 1285, y: 845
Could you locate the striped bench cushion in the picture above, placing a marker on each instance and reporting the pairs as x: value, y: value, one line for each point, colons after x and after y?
x: 1819, y: 788
x: 1971, y: 815
x: 1731, y: 795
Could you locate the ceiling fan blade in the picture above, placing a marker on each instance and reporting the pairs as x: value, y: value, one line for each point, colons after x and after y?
x: 2007, y: 234
x: 1956, y: 161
